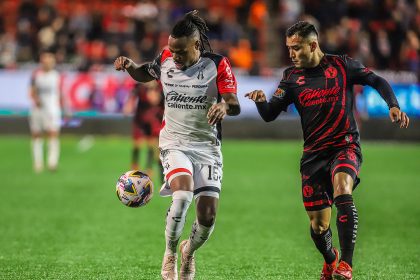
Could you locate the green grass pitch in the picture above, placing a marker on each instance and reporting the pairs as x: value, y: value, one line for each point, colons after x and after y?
x: 70, y: 225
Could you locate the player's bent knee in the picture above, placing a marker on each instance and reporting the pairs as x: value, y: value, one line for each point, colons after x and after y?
x: 206, y: 219
x: 319, y: 227
x: 206, y: 210
x: 182, y: 183
x: 342, y: 188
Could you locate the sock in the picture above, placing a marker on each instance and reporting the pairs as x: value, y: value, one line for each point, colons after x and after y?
x: 347, y: 221
x: 199, y: 235
x: 323, y: 242
x: 150, y: 157
x: 175, y: 219
x: 53, y: 152
x: 38, y: 153
x: 135, y: 158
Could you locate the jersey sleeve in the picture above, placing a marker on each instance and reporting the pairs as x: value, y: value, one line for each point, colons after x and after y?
x: 153, y: 68
x: 357, y: 72
x: 226, y: 81
x: 281, y: 99
x: 361, y: 75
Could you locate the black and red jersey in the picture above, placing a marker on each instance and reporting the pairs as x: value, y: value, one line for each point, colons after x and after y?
x: 147, y: 109
x: 324, y: 98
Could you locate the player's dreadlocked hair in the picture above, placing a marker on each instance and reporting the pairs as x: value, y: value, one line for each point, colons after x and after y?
x: 302, y: 29
x: 190, y: 24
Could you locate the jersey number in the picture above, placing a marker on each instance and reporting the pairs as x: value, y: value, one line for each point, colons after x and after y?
x: 213, y: 173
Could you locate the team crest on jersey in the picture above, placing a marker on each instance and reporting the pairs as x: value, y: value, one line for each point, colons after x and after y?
x: 280, y: 93
x: 308, y: 191
x: 330, y: 72
x: 200, y: 75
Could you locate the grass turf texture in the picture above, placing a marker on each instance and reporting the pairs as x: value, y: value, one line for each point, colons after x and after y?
x: 70, y: 225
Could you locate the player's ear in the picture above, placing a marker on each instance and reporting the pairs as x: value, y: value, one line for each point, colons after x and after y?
x: 197, y: 44
x: 313, y: 45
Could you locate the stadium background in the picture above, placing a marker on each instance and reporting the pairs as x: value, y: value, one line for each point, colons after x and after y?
x: 69, y: 225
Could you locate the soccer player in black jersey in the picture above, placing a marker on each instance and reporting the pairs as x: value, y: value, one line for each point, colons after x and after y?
x: 146, y: 103
x: 320, y: 85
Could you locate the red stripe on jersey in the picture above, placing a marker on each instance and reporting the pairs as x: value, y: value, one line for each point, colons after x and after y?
x: 340, y: 116
x: 177, y: 170
x: 342, y: 165
x: 163, y: 124
x: 317, y: 202
x: 226, y: 81
x: 165, y: 54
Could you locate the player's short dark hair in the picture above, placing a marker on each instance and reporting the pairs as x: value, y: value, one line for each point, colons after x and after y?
x: 302, y: 29
x: 189, y: 25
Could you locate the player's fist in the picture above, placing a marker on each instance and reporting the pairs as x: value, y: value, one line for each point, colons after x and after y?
x: 217, y: 113
x: 256, y: 96
x: 122, y: 63
x: 398, y: 116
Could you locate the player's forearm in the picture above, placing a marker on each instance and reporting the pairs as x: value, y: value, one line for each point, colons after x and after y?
x: 233, y: 109
x: 267, y: 112
x: 384, y: 89
x: 139, y: 73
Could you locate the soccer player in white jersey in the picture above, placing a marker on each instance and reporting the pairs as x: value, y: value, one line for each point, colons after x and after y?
x: 45, y: 112
x: 200, y: 90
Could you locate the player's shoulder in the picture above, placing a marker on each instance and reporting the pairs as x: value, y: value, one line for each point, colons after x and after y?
x: 164, y: 55
x: 215, y: 57
x: 340, y: 58
x: 288, y: 72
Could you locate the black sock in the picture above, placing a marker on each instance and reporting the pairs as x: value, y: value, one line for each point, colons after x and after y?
x: 347, y: 221
x: 323, y: 243
x: 150, y: 157
x: 135, y: 156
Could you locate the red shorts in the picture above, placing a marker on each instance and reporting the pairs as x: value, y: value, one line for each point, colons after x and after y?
x: 318, y: 174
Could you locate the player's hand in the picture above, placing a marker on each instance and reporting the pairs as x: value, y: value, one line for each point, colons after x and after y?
x: 122, y: 63
x: 398, y: 116
x: 256, y: 96
x: 217, y: 113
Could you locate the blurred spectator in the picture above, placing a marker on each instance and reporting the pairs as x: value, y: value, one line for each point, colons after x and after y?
x: 383, y: 34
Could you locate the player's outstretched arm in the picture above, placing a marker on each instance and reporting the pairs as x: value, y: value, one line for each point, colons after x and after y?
x: 138, y: 73
x: 256, y: 96
x: 218, y: 111
x: 268, y: 111
x: 398, y: 116
x: 387, y: 94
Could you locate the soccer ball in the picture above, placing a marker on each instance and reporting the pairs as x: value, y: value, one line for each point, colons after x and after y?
x: 134, y: 188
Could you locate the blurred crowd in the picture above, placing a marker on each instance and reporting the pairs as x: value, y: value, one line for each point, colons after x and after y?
x: 383, y: 34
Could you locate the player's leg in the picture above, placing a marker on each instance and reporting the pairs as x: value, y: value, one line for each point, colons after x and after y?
x: 322, y: 237
x: 38, y: 152
x: 206, y: 192
x: 152, y: 153
x: 344, y: 170
x: 179, y: 177
x: 317, y: 201
x: 137, y: 136
x: 203, y: 226
x: 53, y: 149
x: 35, y: 124
x: 52, y: 126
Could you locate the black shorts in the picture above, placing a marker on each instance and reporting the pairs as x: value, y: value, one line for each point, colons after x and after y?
x: 318, y: 174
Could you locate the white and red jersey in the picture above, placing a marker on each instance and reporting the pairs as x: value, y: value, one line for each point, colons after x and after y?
x: 47, y: 85
x: 188, y: 95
